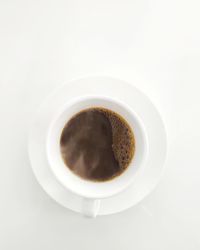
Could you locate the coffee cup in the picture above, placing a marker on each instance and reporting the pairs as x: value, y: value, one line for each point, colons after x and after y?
x: 92, y: 192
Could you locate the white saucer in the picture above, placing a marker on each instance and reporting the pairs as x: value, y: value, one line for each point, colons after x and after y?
x: 112, y: 88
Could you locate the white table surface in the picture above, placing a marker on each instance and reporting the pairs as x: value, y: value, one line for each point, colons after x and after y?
x: 155, y: 45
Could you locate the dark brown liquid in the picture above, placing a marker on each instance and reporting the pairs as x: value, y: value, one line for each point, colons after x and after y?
x: 97, y: 144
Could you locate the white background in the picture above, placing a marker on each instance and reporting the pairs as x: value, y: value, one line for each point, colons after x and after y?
x: 154, y: 44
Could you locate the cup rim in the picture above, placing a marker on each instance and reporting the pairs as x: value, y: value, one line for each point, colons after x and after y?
x: 78, y: 100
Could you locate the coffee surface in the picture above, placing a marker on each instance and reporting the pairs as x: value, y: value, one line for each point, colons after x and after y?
x: 97, y: 144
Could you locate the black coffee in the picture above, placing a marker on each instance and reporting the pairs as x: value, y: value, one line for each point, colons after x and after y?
x: 97, y: 144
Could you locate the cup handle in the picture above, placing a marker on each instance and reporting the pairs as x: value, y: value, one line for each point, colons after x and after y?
x: 90, y: 207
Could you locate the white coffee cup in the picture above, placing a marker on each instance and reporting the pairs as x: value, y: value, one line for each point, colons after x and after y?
x: 93, y: 192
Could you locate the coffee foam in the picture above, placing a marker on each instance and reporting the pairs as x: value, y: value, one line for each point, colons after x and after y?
x: 123, y: 138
